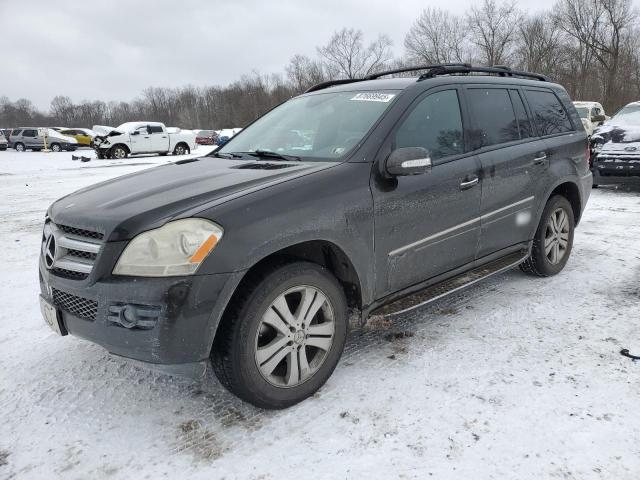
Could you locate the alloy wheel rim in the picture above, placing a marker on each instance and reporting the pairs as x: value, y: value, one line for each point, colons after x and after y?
x: 295, y: 336
x: 119, y: 153
x: 20, y: 148
x: 55, y: 148
x: 180, y: 150
x: 556, y: 238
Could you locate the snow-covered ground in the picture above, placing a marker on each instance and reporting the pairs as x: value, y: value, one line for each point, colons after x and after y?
x: 516, y: 377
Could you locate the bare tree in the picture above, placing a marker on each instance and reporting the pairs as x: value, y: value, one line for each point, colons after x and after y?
x: 437, y: 36
x: 346, y: 55
x: 603, y: 27
x: 304, y: 72
x: 538, y: 44
x: 493, y: 30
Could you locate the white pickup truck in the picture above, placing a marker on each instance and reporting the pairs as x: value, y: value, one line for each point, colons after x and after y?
x: 132, y: 138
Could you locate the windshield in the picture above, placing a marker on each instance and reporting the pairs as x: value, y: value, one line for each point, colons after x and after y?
x: 583, y: 112
x: 628, y: 115
x: 322, y: 127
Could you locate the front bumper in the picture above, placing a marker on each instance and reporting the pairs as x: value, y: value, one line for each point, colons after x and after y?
x: 180, y: 314
x: 614, y: 169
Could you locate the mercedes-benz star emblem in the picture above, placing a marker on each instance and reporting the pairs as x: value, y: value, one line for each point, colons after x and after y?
x: 50, y: 251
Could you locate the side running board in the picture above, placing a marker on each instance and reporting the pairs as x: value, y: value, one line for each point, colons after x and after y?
x: 439, y: 290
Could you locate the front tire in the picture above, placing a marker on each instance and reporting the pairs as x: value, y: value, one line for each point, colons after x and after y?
x: 55, y: 147
x: 119, y: 153
x: 282, y: 336
x: 553, y: 240
x: 19, y: 147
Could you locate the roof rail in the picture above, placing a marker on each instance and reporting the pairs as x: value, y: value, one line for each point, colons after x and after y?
x: 373, y: 76
x: 331, y: 83
x: 500, y: 70
x: 435, y: 70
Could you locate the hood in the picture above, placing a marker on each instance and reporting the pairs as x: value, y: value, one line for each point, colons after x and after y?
x: 612, y: 133
x: 123, y: 207
x: 103, y: 130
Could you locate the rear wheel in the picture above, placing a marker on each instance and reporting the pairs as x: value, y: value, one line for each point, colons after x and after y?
x: 19, y: 147
x: 283, y: 337
x: 553, y: 239
x: 55, y: 147
x: 181, y: 149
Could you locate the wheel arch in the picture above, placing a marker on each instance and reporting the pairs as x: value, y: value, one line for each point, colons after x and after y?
x: 320, y: 252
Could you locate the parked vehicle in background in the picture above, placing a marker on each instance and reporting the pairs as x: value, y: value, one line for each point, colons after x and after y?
x: 83, y: 136
x: 205, y: 137
x: 615, y: 148
x: 399, y: 191
x: 33, y: 138
x: 591, y: 114
x: 6, y: 132
x: 4, y: 143
x: 133, y: 138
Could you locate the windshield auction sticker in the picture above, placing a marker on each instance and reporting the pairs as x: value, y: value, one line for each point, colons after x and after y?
x: 374, y: 97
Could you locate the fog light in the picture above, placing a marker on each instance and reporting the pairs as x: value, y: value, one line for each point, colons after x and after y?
x: 134, y: 316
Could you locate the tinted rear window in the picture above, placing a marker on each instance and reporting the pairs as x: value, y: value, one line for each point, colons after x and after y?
x: 29, y: 133
x: 494, y: 116
x: 155, y: 129
x: 524, y: 124
x: 549, y: 114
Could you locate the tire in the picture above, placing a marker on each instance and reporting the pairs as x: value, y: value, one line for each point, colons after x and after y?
x: 254, y: 332
x: 118, y: 153
x: 544, y: 262
x: 181, y: 149
x: 100, y: 155
x: 19, y: 147
x: 55, y: 147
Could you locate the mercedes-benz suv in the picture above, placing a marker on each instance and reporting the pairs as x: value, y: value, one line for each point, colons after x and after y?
x: 372, y: 196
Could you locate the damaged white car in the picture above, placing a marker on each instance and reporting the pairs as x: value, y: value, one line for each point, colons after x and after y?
x: 134, y: 138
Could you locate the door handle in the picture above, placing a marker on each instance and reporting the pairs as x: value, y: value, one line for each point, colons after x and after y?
x: 540, y: 158
x: 146, y: 137
x: 469, y: 183
x: 164, y: 137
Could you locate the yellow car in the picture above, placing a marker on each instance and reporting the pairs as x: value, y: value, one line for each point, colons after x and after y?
x: 82, y: 135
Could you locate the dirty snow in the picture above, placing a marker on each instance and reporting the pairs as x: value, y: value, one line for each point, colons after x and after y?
x: 516, y: 377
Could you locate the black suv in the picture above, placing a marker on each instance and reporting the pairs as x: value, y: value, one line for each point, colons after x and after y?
x: 371, y: 196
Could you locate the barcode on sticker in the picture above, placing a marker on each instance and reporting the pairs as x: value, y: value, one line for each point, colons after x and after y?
x: 374, y: 97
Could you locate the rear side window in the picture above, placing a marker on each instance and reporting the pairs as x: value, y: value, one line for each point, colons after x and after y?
x: 524, y: 124
x: 548, y: 112
x: 15, y: 133
x: 29, y: 133
x: 155, y: 129
x: 435, y: 124
x: 494, y: 116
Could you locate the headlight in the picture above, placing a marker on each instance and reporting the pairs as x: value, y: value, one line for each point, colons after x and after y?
x: 176, y: 248
x: 597, y: 147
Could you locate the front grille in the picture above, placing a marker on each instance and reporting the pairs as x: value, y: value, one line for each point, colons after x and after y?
x: 77, y: 306
x: 81, y: 232
x: 70, y: 274
x: 70, y: 252
x: 81, y: 254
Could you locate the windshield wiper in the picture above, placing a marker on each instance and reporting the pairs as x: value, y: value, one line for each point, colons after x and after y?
x: 273, y: 155
x: 224, y: 155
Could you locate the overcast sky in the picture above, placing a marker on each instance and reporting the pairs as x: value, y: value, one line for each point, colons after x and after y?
x: 116, y: 48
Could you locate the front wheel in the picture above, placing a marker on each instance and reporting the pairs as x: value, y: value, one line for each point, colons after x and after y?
x: 19, y: 147
x: 283, y: 336
x: 55, y: 147
x: 118, y: 152
x: 553, y: 239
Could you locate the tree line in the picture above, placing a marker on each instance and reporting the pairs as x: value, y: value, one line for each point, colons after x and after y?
x: 592, y: 47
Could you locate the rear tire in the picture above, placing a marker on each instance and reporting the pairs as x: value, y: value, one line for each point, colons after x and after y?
x: 19, y: 147
x: 282, y: 336
x: 181, y: 149
x: 553, y: 240
x: 55, y: 147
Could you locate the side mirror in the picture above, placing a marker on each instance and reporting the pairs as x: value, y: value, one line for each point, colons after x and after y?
x: 408, y: 161
x: 598, y: 118
x: 135, y: 132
